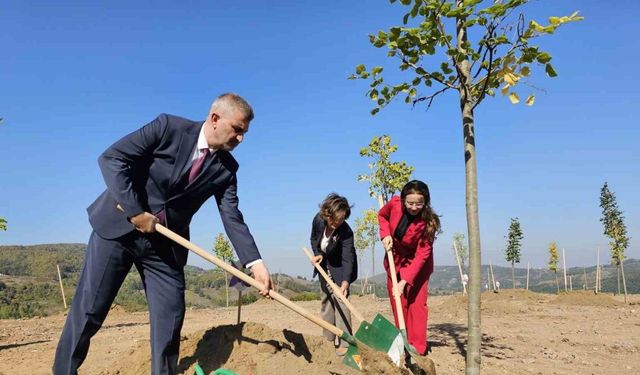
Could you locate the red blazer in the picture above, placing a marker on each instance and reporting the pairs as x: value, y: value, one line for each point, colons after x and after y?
x: 412, y: 255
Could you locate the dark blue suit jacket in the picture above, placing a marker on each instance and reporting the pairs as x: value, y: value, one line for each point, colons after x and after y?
x: 144, y: 171
x: 340, y: 257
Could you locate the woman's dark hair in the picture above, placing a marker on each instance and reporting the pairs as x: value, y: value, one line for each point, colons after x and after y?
x: 427, y: 213
x: 335, y: 207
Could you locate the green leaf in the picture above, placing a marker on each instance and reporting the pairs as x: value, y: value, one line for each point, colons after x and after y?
x: 455, y: 13
x: 360, y: 68
x: 536, y: 26
x: 550, y: 71
x: 530, y: 100
x: 513, y: 97
x: 382, y: 36
x: 414, y: 10
x: 373, y: 94
x: 556, y: 20
x: 445, y: 68
x: 543, y: 57
x: 374, y: 111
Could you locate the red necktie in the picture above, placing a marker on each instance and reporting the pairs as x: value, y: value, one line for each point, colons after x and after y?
x: 196, y: 168
x: 197, y: 165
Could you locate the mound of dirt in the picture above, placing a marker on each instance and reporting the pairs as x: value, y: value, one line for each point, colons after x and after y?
x: 252, y: 348
x: 453, y: 307
x: 507, y: 301
x: 586, y: 298
x: 514, y: 294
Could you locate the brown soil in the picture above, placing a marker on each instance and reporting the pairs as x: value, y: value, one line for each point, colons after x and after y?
x: 523, y: 333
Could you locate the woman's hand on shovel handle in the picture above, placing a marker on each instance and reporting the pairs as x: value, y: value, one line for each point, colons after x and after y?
x: 144, y: 222
x: 317, y: 259
x: 261, y: 274
x: 401, y: 285
x: 387, y: 243
x: 344, y: 288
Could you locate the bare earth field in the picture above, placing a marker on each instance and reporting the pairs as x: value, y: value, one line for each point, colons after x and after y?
x: 523, y: 333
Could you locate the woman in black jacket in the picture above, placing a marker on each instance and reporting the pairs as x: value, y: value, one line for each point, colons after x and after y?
x: 332, y: 244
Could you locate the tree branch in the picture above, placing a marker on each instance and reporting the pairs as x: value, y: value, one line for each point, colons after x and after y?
x: 427, y: 75
x: 430, y: 97
x: 483, y: 92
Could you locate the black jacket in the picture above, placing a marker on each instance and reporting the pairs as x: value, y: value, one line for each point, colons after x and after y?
x: 340, y: 257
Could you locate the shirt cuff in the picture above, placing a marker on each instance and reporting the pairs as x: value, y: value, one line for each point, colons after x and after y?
x: 253, y: 263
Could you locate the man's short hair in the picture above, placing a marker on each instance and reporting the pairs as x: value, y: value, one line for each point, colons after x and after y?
x: 230, y: 101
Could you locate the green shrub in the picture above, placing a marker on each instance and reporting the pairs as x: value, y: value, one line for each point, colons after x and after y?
x: 306, y: 296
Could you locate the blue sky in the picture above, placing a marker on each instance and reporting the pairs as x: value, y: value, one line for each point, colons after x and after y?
x: 77, y: 76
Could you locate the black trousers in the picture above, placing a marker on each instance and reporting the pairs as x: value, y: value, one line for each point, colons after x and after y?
x: 106, y: 264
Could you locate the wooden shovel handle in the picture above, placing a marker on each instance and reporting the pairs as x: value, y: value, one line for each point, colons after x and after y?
x: 246, y: 278
x: 336, y: 290
x: 394, y: 280
x: 396, y: 297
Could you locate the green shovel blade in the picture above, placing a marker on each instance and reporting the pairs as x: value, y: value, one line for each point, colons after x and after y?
x: 382, y: 336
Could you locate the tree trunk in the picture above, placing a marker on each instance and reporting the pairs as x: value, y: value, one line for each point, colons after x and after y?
x: 624, y: 282
x: 473, y: 227
x: 557, y: 283
x: 618, y: 278
x: 513, y: 275
x: 474, y: 334
x: 363, y: 281
x: 373, y: 268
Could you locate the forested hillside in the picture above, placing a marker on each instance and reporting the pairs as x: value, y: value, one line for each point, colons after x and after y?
x: 29, y: 281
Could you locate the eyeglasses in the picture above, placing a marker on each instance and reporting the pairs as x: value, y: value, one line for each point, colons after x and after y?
x: 414, y: 204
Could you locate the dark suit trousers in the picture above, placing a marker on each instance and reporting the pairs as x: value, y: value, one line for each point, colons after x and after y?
x: 106, y: 265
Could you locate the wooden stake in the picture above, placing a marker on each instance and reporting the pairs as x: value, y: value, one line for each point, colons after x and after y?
x: 493, y: 279
x: 64, y: 300
x: 598, y: 270
x: 488, y: 278
x: 464, y: 286
x: 564, y: 265
x: 527, y: 276
x: 571, y: 283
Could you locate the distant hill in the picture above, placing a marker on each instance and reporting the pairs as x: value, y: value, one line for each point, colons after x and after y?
x: 29, y: 281
x: 446, y: 279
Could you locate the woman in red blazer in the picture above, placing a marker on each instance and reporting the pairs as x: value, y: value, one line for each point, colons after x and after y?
x: 408, y: 225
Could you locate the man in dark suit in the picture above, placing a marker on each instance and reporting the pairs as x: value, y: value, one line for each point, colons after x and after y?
x: 161, y: 173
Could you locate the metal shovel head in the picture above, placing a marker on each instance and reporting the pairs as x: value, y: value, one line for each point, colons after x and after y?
x: 382, y: 336
x: 382, y: 324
